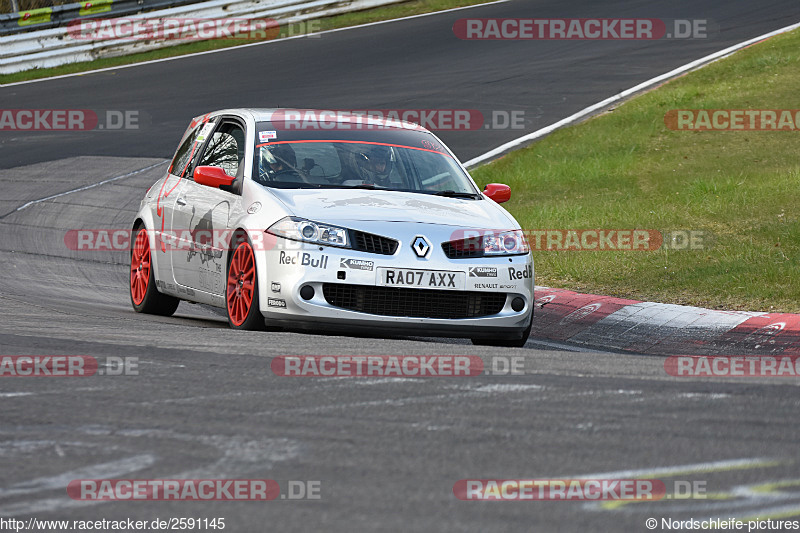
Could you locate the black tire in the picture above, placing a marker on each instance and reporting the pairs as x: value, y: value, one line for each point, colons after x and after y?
x: 142, y: 283
x: 241, y: 288
x: 507, y: 343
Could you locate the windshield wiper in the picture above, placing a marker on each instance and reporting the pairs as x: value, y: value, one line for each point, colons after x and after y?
x: 455, y: 194
x: 370, y: 186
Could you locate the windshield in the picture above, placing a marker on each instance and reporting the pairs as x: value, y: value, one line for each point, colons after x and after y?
x: 365, y: 165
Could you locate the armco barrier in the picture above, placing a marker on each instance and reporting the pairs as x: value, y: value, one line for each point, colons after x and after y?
x: 52, y: 17
x: 54, y: 47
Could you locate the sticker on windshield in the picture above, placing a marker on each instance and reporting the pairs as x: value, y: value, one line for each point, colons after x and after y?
x: 264, y: 136
x: 435, y: 147
x: 207, y: 127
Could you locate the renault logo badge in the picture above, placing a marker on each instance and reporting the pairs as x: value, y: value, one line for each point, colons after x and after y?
x: 421, y: 246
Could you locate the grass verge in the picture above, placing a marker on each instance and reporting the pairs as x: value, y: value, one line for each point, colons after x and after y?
x: 394, y: 11
x: 626, y: 169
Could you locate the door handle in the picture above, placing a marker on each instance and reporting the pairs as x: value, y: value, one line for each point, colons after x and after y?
x: 180, y: 201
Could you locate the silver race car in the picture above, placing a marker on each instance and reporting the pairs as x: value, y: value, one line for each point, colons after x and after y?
x: 305, y: 219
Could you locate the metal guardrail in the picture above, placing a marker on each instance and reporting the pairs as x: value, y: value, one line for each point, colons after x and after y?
x: 53, y: 17
x: 56, y: 46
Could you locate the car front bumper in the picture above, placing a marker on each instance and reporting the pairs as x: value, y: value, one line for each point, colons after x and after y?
x: 305, y: 286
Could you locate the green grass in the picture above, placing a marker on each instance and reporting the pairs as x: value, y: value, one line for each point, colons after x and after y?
x: 404, y: 9
x: 625, y: 169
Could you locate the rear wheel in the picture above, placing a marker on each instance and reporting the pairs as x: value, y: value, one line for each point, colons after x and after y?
x: 241, y: 293
x: 145, y: 297
x: 507, y: 343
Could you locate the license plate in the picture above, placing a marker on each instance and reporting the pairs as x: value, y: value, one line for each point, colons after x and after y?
x: 421, y: 279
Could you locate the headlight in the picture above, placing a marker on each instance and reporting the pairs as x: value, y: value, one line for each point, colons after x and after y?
x: 505, y: 243
x: 300, y: 229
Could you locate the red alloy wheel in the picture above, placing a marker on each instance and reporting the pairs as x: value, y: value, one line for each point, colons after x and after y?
x: 241, y: 284
x: 140, y: 267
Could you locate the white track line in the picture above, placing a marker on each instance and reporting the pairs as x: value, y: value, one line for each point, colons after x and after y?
x: 666, y: 471
x: 228, y: 49
x: 621, y: 96
x: 115, y: 178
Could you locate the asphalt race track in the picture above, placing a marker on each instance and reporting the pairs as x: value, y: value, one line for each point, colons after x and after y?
x: 385, y: 451
x: 411, y: 64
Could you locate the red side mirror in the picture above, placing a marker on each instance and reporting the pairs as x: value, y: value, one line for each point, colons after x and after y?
x: 212, y: 177
x: 498, y: 192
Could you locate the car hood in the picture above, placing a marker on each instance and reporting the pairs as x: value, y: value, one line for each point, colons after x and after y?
x: 393, y: 206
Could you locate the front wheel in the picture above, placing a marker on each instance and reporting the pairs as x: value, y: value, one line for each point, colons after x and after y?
x: 241, y: 293
x: 145, y: 297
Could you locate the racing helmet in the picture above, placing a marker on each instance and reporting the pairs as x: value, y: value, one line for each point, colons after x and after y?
x: 375, y: 163
x: 282, y: 154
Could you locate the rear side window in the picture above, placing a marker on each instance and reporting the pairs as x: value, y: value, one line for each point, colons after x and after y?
x: 184, y: 155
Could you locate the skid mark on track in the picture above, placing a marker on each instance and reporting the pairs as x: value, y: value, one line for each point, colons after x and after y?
x: 236, y: 457
x: 473, y: 391
x: 60, y: 482
x: 93, y: 185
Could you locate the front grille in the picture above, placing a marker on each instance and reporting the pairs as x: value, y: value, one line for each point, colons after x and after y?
x: 418, y: 303
x: 373, y: 244
x: 462, y: 250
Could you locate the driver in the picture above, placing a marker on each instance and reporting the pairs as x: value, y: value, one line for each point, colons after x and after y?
x: 375, y: 164
x: 280, y: 161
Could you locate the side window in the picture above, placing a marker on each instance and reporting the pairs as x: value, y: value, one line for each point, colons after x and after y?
x: 184, y: 154
x: 225, y: 149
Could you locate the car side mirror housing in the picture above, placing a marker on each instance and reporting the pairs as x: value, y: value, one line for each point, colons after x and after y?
x: 212, y: 177
x: 498, y: 192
